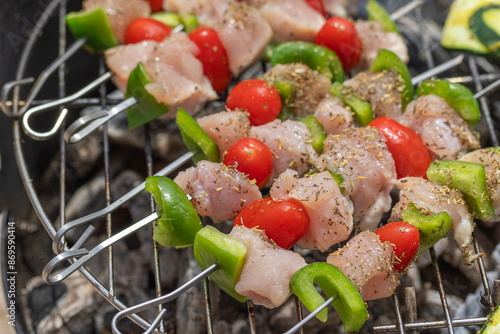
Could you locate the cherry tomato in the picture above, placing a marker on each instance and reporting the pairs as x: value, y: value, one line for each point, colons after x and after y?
x: 213, y: 57
x: 404, y: 239
x: 156, y: 5
x: 252, y: 157
x: 283, y: 221
x: 317, y: 5
x: 340, y: 35
x: 258, y: 97
x: 144, y: 28
x: 410, y: 154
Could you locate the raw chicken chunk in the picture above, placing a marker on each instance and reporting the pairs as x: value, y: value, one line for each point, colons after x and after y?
x: 290, y: 20
x: 329, y: 211
x: 289, y: 141
x: 266, y: 274
x: 360, y: 155
x: 445, y: 133
x: 177, y: 76
x: 226, y: 128
x: 374, y: 38
x: 381, y: 89
x: 333, y: 115
x: 120, y: 13
x: 433, y: 198
x: 218, y: 191
x: 490, y: 159
x: 367, y: 262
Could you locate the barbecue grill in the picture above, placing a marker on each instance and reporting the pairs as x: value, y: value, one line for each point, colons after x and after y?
x: 17, y: 101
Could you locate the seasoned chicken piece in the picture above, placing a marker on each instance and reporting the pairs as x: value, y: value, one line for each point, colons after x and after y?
x: 218, y: 191
x: 431, y: 198
x: 290, y: 144
x: 120, y: 13
x: 176, y: 75
x: 333, y: 115
x: 381, y: 89
x: 337, y: 7
x: 290, y: 20
x: 360, y: 155
x: 205, y: 10
x: 367, y: 262
x: 329, y: 211
x: 490, y: 159
x: 445, y: 133
x: 266, y: 274
x: 375, y: 38
x: 309, y: 87
x: 226, y: 128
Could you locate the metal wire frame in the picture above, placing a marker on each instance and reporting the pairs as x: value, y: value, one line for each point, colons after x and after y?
x: 109, y: 292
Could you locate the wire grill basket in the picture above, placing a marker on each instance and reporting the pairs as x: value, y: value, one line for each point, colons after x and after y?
x: 77, y: 255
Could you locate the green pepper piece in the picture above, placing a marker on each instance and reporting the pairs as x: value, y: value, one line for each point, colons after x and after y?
x: 212, y: 246
x: 94, y: 24
x: 317, y: 130
x: 179, y: 221
x: 379, y: 14
x: 432, y: 228
x: 388, y: 60
x: 348, y: 302
x: 459, y: 97
x: 190, y: 22
x: 147, y: 108
x: 171, y: 19
x: 467, y: 177
x: 318, y: 58
x: 361, y: 108
x: 195, y: 139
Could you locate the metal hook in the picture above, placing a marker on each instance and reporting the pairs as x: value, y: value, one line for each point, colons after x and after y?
x: 5, y: 94
x: 85, y: 125
x: 57, y: 242
x: 86, y: 255
x: 160, y: 300
x: 56, y: 103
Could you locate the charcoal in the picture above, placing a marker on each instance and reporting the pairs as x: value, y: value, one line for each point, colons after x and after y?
x: 190, y: 313
x: 64, y: 308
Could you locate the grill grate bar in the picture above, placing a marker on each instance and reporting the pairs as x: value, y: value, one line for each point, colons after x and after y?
x: 442, y: 294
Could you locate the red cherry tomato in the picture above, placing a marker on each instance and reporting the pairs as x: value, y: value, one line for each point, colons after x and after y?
x: 317, y: 5
x: 252, y: 157
x: 144, y: 28
x: 213, y: 57
x: 156, y: 5
x: 404, y: 238
x: 340, y: 35
x: 261, y: 99
x: 283, y: 221
x: 410, y: 154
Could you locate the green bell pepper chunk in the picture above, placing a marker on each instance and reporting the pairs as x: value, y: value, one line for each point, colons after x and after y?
x: 179, y: 222
x: 388, y: 60
x: 196, y: 140
x: 361, y: 108
x: 212, y: 246
x: 318, y: 58
x: 190, y: 22
x: 432, y: 228
x: 147, y: 108
x: 459, y: 97
x: 467, y: 177
x: 379, y: 14
x: 317, y: 130
x: 171, y: 19
x: 94, y: 24
x: 348, y: 302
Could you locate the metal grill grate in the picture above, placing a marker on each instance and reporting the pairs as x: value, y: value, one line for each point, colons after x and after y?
x: 16, y: 108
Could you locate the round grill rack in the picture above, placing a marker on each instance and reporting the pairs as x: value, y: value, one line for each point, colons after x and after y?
x: 15, y: 108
